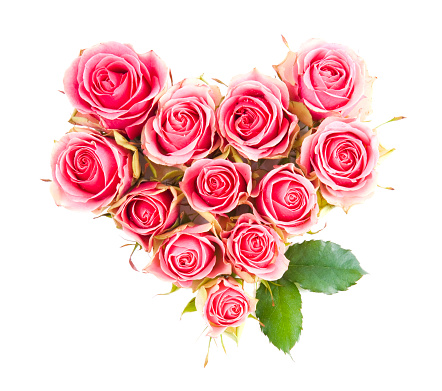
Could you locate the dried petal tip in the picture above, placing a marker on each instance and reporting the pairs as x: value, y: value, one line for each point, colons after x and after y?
x: 219, y: 81
x: 285, y: 42
x: 386, y: 187
x: 170, y: 76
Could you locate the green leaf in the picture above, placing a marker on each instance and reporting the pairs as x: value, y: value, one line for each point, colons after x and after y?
x: 322, y: 266
x: 190, y: 307
x: 281, y: 317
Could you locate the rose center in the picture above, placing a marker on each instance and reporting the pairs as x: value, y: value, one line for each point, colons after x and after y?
x: 255, y: 247
x: 180, y: 119
x: 256, y: 242
x: 218, y: 184
x: 186, y: 260
x: 251, y: 116
x: 235, y: 309
x: 142, y: 213
x: 247, y: 117
x: 185, y: 263
x: 328, y: 71
x: 84, y: 164
x: 106, y: 80
x: 293, y: 198
x: 344, y: 157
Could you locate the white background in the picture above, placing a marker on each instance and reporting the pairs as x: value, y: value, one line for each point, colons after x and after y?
x: 75, y: 316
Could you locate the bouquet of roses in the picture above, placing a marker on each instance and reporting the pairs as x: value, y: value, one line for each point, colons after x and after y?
x: 213, y: 187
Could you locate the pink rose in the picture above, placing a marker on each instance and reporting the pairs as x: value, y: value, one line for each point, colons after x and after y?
x: 254, y: 119
x: 330, y: 79
x: 343, y: 153
x: 89, y: 171
x: 255, y: 250
x: 115, y: 85
x: 216, y: 186
x: 189, y: 253
x: 287, y: 199
x: 224, y: 305
x: 146, y: 211
x: 184, y: 128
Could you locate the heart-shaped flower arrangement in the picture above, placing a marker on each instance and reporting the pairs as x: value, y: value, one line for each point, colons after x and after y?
x: 214, y: 186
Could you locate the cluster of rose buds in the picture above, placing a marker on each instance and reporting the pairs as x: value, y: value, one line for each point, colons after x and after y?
x: 255, y: 167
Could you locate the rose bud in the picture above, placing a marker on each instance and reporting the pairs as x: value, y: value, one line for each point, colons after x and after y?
x: 146, y: 211
x: 224, y: 305
x: 184, y: 128
x: 89, y: 171
x: 285, y: 198
x: 330, y: 79
x: 216, y: 186
x: 255, y: 250
x: 343, y: 154
x: 115, y: 85
x: 187, y: 254
x: 254, y: 117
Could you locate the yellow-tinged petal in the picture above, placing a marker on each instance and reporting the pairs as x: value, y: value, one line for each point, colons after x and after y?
x: 301, y: 111
x: 224, y: 155
x: 78, y: 118
x: 122, y: 141
x: 235, y: 155
x: 384, y: 152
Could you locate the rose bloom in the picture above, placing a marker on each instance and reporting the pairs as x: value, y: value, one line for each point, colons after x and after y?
x: 115, y: 85
x: 287, y: 199
x: 343, y: 153
x: 254, y: 117
x: 330, y: 79
x: 224, y: 305
x: 255, y: 250
x: 89, y: 171
x: 189, y: 253
x: 216, y: 186
x: 147, y: 210
x: 184, y: 128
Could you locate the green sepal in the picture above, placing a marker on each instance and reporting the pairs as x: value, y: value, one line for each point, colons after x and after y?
x: 173, y: 289
x: 184, y: 218
x: 104, y: 215
x: 235, y: 332
x: 190, y: 307
x: 175, y: 174
x: 152, y: 169
x: 324, y: 206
